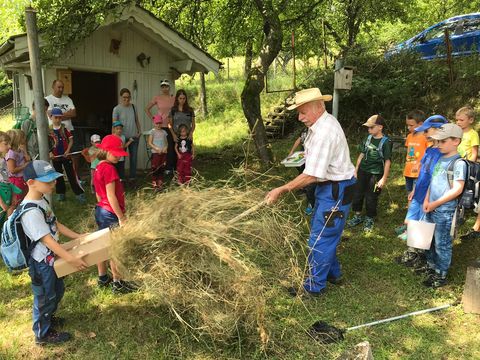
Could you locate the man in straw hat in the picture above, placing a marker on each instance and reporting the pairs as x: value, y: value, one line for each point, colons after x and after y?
x: 328, y: 165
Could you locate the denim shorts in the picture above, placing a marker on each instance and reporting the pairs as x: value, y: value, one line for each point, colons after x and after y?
x: 105, y: 218
x: 415, y: 211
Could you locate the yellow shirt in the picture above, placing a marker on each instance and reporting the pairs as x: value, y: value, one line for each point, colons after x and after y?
x: 469, y: 140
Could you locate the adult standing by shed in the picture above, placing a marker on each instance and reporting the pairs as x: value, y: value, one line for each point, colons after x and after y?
x: 164, y: 103
x: 126, y: 113
x: 57, y: 99
x: 181, y: 114
x: 327, y: 163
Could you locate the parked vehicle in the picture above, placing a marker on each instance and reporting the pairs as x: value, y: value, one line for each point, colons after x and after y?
x: 464, y: 32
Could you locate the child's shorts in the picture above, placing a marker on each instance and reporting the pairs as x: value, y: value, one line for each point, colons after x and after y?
x: 410, y: 183
x: 415, y: 211
x: 105, y: 218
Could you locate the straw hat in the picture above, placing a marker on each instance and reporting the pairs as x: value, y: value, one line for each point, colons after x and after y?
x: 308, y: 95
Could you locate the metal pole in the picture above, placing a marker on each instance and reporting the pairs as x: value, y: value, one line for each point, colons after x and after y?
x: 336, y: 93
x: 293, y: 55
x: 36, y: 70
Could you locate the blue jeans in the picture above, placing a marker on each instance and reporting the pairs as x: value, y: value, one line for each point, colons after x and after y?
x: 48, y: 290
x: 439, y: 256
x: 326, y: 230
x: 133, y: 152
x: 105, y: 218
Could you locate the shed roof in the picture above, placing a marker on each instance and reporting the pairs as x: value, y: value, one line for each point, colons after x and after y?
x: 14, y: 51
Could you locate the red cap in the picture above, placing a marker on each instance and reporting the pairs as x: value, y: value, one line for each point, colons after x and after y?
x: 112, y: 144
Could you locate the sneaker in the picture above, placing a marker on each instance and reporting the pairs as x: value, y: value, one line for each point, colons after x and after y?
x: 355, y: 220
x: 406, y: 257
x: 335, y: 280
x: 81, y: 198
x: 104, y: 283
x: 472, y: 235
x: 403, y: 236
x: 401, y: 229
x: 294, y: 292
x: 56, y: 321
x: 368, y: 224
x: 123, y: 287
x: 423, y: 269
x: 53, y: 338
x: 435, y: 281
x: 60, y: 197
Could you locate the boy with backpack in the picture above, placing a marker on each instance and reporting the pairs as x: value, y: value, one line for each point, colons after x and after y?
x: 440, y: 204
x: 34, y: 225
x: 371, y: 171
x: 63, y: 141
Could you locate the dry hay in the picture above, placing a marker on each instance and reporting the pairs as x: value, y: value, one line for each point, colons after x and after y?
x: 214, y: 269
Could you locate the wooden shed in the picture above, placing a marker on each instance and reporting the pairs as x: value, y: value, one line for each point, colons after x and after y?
x: 135, y: 50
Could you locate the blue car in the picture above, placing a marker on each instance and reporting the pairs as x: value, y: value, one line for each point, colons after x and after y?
x: 430, y: 43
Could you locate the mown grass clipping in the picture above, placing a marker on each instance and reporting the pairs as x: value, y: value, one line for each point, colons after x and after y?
x: 213, y: 256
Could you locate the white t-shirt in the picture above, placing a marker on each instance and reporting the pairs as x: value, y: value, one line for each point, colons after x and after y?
x: 64, y: 103
x: 35, y: 227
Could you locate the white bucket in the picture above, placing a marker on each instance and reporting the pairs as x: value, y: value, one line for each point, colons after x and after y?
x: 420, y: 234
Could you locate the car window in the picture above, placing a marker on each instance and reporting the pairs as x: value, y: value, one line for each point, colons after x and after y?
x: 438, y: 32
x: 471, y: 25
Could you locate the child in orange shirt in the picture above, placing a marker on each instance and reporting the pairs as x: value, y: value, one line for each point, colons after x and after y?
x: 416, y: 144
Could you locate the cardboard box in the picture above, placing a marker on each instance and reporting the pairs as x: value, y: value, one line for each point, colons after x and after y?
x: 94, y: 246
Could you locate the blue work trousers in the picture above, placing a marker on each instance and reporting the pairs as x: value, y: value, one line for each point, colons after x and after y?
x: 48, y: 290
x: 332, y: 204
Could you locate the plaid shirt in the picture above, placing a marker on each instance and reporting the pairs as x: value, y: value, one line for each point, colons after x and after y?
x: 327, y: 156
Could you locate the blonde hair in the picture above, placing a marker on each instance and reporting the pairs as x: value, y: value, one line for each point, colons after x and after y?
x: 17, y: 138
x: 101, y: 154
x: 4, y: 137
x: 467, y: 110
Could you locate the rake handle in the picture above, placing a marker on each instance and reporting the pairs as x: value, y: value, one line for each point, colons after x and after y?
x: 246, y: 212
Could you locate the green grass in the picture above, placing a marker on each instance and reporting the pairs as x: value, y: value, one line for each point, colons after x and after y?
x: 129, y: 327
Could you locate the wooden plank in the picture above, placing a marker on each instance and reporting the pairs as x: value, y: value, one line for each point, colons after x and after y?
x: 471, y: 292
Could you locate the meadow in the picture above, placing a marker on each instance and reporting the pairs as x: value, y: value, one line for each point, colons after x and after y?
x: 108, y: 326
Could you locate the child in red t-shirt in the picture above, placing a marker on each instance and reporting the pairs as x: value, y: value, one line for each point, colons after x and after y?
x: 110, y: 208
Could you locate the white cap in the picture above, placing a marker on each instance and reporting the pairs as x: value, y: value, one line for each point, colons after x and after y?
x: 95, y: 138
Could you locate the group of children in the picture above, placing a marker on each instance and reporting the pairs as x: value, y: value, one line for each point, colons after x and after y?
x: 25, y: 182
x: 434, y: 179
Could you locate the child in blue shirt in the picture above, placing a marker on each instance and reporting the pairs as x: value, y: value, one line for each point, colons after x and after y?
x: 413, y: 257
x: 441, y: 202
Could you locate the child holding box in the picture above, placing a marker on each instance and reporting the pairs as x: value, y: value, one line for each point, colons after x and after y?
x: 41, y: 226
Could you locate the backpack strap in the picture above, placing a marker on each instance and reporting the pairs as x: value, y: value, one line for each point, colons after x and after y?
x: 451, y: 169
x: 24, y: 209
x: 383, y: 140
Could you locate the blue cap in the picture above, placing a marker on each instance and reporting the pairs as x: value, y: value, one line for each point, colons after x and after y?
x: 40, y: 170
x: 56, y: 112
x: 434, y: 121
x: 117, y: 123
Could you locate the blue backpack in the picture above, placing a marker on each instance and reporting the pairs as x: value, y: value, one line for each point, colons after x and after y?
x: 383, y: 140
x: 15, y: 246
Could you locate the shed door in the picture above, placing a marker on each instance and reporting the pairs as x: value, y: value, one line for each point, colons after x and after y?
x: 94, y: 95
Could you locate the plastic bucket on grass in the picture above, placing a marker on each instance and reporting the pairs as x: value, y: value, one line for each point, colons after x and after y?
x: 420, y: 234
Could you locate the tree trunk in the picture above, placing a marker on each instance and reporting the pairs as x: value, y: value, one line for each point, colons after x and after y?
x: 248, y: 56
x: 255, y: 82
x: 203, y: 95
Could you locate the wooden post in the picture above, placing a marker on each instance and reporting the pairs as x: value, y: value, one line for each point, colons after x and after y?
x: 37, y: 82
x: 203, y: 95
x: 471, y: 291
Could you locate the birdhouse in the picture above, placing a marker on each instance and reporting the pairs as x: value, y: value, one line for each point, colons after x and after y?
x: 343, y: 78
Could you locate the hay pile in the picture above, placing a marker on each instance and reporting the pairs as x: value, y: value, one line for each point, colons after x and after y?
x: 215, y: 270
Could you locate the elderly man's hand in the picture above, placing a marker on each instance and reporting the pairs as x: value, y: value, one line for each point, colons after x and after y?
x: 274, y: 195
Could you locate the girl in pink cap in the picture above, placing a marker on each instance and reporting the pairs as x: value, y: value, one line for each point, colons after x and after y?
x: 110, y: 208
